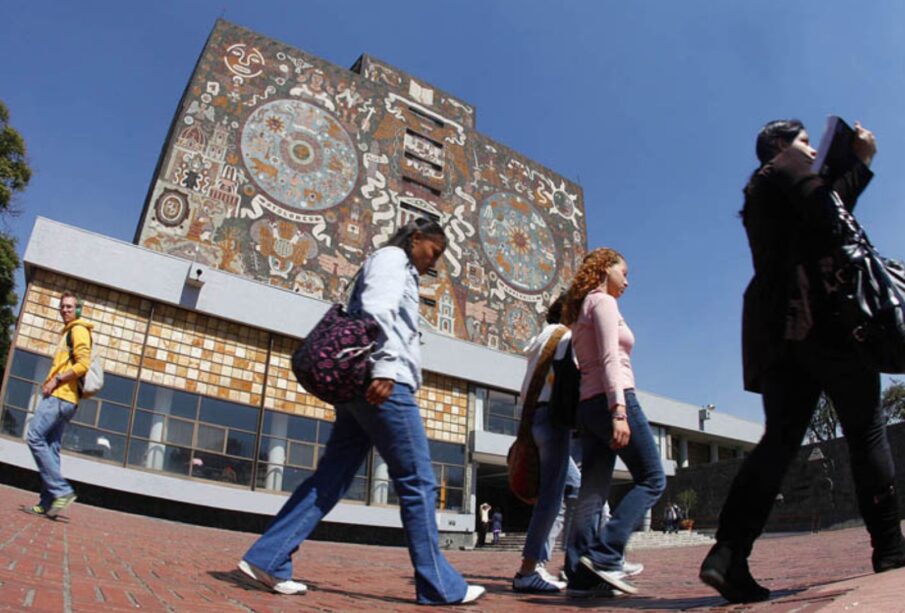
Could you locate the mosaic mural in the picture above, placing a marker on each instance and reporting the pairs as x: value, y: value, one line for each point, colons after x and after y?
x: 289, y: 170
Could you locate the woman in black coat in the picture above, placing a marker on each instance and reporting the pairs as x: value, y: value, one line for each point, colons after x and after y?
x: 792, y: 352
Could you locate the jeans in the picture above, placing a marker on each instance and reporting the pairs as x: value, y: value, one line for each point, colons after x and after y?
x: 45, y: 432
x: 396, y: 429
x: 553, y: 447
x: 790, y: 393
x: 606, y: 548
x: 564, y: 518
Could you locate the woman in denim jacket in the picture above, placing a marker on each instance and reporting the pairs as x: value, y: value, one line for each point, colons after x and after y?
x: 386, y: 417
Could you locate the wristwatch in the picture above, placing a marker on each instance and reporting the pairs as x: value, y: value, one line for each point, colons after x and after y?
x: 58, y: 379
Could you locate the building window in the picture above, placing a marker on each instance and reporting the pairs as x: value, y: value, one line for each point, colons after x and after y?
x: 192, y: 435
x: 99, y: 426
x: 502, y: 412
x: 448, y: 462
x: 291, y: 447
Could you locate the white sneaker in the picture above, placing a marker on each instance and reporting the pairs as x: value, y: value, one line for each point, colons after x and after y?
x: 632, y: 568
x: 472, y: 593
x: 280, y: 586
x: 543, y: 572
x: 615, y: 578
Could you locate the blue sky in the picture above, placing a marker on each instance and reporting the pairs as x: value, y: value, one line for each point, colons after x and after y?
x: 652, y: 106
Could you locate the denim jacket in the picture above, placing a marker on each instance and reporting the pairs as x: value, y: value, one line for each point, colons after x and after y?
x: 388, y: 291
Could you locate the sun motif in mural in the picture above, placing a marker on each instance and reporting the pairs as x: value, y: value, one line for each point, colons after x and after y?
x: 517, y: 242
x: 299, y: 155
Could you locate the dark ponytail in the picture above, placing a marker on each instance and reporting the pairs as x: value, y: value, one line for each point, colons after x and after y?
x: 427, y: 227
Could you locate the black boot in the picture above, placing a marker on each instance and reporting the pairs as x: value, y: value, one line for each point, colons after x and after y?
x: 882, y: 520
x: 727, y: 572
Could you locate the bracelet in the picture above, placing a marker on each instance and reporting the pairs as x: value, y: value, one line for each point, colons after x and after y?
x: 619, y: 417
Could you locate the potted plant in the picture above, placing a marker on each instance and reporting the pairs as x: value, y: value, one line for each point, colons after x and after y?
x: 687, y: 499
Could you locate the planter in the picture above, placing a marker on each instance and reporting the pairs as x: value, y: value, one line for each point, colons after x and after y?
x: 686, y: 524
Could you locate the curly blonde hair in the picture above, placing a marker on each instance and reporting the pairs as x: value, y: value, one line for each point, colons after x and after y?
x: 590, y: 275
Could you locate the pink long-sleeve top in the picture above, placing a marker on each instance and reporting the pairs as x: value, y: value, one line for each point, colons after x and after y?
x: 602, y: 343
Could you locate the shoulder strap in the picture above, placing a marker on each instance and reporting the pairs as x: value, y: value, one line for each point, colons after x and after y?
x: 70, y: 345
x: 529, y: 403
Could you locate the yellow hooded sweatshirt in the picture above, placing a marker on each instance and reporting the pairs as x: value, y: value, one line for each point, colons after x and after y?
x: 62, y: 359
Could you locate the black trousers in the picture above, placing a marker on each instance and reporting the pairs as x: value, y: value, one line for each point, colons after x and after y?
x: 791, y: 390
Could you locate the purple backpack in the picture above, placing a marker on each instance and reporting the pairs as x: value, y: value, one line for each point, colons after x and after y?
x: 332, y: 362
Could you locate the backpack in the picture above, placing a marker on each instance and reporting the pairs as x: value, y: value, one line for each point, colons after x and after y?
x: 566, y: 391
x: 93, y: 380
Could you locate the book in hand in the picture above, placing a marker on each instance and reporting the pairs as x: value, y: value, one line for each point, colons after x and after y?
x: 835, y: 154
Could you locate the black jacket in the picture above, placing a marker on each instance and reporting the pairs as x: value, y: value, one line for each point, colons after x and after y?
x: 791, y: 223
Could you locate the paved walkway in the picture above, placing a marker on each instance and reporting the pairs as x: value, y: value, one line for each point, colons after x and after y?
x: 100, y: 560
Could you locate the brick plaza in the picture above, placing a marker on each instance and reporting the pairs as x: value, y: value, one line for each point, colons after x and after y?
x: 101, y: 560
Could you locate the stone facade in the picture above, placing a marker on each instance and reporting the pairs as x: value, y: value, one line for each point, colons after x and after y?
x: 289, y: 170
x: 818, y: 491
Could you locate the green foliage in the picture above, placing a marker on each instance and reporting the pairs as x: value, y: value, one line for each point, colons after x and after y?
x: 687, y: 500
x: 893, y: 401
x: 824, y: 424
x: 14, y: 170
x: 9, y: 262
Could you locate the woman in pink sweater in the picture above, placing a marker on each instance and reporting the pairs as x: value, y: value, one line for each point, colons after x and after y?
x: 611, y: 423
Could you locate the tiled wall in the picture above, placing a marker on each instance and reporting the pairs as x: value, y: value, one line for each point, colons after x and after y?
x: 206, y: 355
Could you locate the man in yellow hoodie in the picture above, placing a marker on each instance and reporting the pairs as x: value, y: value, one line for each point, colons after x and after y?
x: 61, y: 398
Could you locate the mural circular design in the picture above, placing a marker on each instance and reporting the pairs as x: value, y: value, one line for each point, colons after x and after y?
x: 517, y: 242
x: 299, y: 155
x: 519, y: 326
x: 171, y: 208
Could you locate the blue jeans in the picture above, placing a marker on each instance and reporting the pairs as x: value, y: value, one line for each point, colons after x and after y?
x: 45, y: 432
x: 553, y: 447
x: 396, y: 429
x: 606, y: 548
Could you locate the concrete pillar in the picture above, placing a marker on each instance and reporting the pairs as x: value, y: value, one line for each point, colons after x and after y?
x: 683, y: 452
x: 380, y: 481
x: 276, y: 457
x: 714, y: 453
x: 163, y: 402
x: 645, y: 524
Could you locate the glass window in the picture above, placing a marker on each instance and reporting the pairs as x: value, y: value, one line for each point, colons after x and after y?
x: 18, y: 393
x: 113, y: 417
x: 86, y: 413
x: 94, y: 443
x: 30, y: 366
x: 229, y: 414
x: 211, y: 438
x: 157, y: 456
x: 179, y: 432
x: 455, y: 476
x: 167, y: 400
x: 141, y: 425
x: 278, y: 478
x: 448, y: 453
x: 290, y: 426
x: 240, y: 443
x: 13, y: 422
x: 117, y: 389
x: 301, y: 454
x: 220, y: 468
x: 273, y: 450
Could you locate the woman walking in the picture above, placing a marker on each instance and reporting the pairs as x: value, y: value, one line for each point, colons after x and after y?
x: 612, y: 424
x: 792, y: 352
x: 388, y: 418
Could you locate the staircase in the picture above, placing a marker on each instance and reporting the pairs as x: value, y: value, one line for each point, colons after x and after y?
x: 515, y: 541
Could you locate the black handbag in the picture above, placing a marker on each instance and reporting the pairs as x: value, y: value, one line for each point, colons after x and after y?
x: 866, y: 296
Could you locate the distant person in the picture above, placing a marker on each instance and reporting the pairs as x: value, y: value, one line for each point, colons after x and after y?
x: 612, y: 424
x: 791, y: 353
x: 670, y: 519
x: 60, y: 399
x: 484, y: 523
x: 553, y: 451
x: 388, y: 418
x: 497, y: 523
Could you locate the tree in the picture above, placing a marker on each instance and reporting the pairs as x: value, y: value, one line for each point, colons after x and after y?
x: 824, y: 424
x: 14, y: 177
x: 687, y: 500
x: 893, y: 401
x: 14, y: 170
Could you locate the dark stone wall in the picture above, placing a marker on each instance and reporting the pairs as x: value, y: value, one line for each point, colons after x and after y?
x: 816, y: 494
